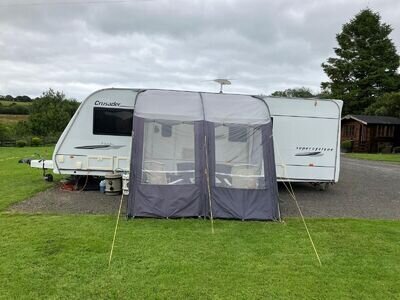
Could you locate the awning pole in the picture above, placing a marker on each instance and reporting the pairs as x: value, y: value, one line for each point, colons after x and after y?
x: 208, y: 185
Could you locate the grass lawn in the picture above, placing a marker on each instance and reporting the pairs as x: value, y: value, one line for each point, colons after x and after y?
x: 19, y: 181
x: 60, y: 256
x: 67, y: 256
x: 375, y: 156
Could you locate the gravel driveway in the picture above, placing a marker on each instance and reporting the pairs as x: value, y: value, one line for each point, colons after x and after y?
x: 366, y: 189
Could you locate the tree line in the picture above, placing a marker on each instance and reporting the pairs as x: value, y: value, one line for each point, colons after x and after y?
x: 364, y: 73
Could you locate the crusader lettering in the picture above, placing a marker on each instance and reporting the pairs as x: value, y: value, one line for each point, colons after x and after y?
x: 100, y: 103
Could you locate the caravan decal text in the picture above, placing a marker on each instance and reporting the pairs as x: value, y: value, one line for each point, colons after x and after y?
x: 312, y: 151
x: 107, y: 103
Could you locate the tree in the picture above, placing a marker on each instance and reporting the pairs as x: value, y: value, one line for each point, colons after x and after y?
x: 296, y: 92
x: 386, y: 105
x: 50, y: 113
x: 22, y: 99
x: 9, y: 98
x: 366, y: 63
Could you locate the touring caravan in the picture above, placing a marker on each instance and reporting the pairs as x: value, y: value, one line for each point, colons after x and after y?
x: 97, y: 140
x: 306, y: 138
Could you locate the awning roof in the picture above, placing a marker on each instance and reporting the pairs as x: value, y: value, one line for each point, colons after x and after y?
x: 196, y: 106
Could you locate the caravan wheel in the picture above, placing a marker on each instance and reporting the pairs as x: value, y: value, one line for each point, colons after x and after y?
x: 48, y: 177
x: 321, y: 186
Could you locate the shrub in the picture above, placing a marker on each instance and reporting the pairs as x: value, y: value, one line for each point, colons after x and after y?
x: 386, y: 150
x: 21, y: 143
x: 346, y: 146
x: 14, y: 109
x: 396, y: 149
x: 5, y: 132
x: 36, y: 141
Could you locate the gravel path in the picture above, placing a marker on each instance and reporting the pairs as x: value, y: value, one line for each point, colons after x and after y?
x: 366, y: 189
x: 65, y: 202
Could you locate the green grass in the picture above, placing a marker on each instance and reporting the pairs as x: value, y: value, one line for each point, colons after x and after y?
x: 376, y: 156
x: 61, y: 256
x: 20, y: 181
x: 67, y: 257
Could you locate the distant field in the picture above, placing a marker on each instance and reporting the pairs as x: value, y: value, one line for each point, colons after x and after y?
x: 8, y: 103
x: 376, y: 156
x: 7, y: 119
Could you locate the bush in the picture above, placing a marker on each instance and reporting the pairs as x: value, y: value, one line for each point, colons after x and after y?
x: 36, y: 141
x: 5, y: 132
x: 346, y: 146
x: 21, y: 143
x: 396, y: 149
x: 50, y: 113
x: 14, y: 109
x: 386, y: 150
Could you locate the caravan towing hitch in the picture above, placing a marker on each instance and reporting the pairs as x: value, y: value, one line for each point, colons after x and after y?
x: 47, y: 177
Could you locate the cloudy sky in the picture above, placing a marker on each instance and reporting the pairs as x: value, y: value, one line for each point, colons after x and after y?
x: 78, y: 46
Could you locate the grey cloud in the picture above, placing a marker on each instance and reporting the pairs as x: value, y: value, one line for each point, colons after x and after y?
x: 263, y: 45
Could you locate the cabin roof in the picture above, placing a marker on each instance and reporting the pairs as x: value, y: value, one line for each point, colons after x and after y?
x: 373, y: 119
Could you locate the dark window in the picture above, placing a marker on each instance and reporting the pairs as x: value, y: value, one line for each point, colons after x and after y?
x: 237, y: 133
x: 166, y: 130
x: 112, y: 121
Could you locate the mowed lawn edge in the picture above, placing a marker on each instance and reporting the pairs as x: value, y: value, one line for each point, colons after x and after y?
x: 390, y: 158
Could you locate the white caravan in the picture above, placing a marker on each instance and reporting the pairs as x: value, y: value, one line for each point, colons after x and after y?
x: 306, y: 138
x: 97, y: 140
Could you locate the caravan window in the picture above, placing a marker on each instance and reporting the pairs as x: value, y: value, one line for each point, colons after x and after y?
x: 112, y: 121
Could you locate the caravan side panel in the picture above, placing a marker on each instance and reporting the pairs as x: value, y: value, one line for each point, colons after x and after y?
x: 82, y: 150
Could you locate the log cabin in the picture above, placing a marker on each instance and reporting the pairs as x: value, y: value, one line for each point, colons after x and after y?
x: 371, y: 133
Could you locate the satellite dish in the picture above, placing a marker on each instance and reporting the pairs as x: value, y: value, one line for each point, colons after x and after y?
x: 222, y: 82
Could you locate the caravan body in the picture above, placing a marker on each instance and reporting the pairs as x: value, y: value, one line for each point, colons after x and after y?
x: 306, y: 138
x: 97, y: 140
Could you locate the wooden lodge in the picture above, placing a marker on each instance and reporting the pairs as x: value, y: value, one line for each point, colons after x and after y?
x: 371, y: 133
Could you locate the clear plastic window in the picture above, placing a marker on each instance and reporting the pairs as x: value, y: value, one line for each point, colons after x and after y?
x: 168, y: 154
x: 239, y: 157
